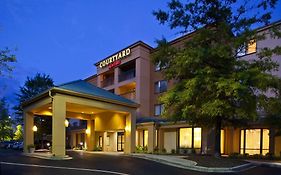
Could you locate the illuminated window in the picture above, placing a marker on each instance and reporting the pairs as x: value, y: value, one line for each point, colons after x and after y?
x: 156, y: 137
x: 252, y: 47
x: 158, y: 109
x: 145, y: 137
x: 254, y: 141
x: 185, y: 137
x: 160, y: 86
x: 222, y: 140
x: 190, y: 138
x: 100, y: 141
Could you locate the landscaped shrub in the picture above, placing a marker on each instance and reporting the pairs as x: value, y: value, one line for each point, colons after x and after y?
x: 156, y: 150
x: 173, y: 151
x: 141, y: 149
x: 163, y: 150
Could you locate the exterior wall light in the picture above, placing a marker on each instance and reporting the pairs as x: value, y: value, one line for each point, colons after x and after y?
x: 66, y: 123
x: 88, y: 131
x: 127, y: 128
x: 34, y: 128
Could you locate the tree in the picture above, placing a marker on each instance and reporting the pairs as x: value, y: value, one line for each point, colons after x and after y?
x: 6, y: 57
x: 215, y: 86
x: 6, y: 130
x: 18, y: 134
x: 32, y: 87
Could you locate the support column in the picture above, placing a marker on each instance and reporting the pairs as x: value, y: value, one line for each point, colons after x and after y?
x: 151, y: 137
x: 28, y: 137
x: 130, y: 133
x: 160, y: 139
x: 90, y: 135
x: 73, y: 139
x: 58, y: 132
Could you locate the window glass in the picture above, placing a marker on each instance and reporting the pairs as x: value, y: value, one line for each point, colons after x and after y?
x: 186, y: 137
x: 145, y: 133
x: 156, y: 137
x: 160, y: 86
x: 197, y: 137
x: 253, y: 141
x: 265, y: 141
x: 222, y: 141
x: 252, y: 47
x: 241, y: 141
x: 158, y: 109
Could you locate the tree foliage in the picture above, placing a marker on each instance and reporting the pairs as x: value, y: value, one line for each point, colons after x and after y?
x: 214, y: 86
x: 19, y: 133
x: 6, y: 58
x: 32, y: 87
x: 6, y: 130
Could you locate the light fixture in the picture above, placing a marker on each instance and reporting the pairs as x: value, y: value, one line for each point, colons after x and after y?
x: 66, y: 123
x: 34, y: 128
x: 127, y: 128
x: 88, y: 131
x: 48, y: 144
x: 81, y: 143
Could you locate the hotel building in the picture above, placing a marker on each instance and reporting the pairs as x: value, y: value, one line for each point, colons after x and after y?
x: 130, y: 73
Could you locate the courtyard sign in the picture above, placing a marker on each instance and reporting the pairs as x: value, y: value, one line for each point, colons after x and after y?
x: 115, y: 58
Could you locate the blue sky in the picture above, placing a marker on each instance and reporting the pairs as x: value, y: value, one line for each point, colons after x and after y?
x: 64, y: 38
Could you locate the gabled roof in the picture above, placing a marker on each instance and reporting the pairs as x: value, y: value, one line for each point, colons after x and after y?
x: 85, y: 89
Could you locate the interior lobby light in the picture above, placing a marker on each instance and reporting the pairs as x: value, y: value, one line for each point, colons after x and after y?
x: 88, y: 131
x: 66, y: 123
x: 34, y: 128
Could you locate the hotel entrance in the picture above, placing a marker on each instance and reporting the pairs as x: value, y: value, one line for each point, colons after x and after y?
x: 110, y: 118
x: 120, y: 141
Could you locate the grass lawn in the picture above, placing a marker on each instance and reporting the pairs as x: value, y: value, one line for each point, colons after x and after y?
x: 210, y: 161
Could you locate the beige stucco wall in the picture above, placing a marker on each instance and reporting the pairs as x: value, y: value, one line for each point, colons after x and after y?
x: 109, y: 121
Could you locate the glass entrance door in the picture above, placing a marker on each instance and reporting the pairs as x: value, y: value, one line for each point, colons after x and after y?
x: 120, y: 141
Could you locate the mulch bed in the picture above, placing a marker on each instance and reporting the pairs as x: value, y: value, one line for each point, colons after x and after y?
x: 210, y: 161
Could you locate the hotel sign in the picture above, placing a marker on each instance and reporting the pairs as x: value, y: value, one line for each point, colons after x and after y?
x: 114, y: 60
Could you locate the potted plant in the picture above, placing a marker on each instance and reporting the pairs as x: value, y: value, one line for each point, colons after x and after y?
x: 31, y: 148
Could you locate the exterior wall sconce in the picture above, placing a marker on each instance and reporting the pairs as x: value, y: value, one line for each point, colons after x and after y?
x: 34, y: 128
x: 66, y: 123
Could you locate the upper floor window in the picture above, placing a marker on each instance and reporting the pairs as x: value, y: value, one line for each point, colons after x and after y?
x: 158, y: 109
x: 158, y: 66
x: 249, y: 48
x: 160, y: 86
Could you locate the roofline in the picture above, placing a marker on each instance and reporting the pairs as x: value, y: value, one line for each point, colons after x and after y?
x: 130, y: 46
x: 77, y: 94
x: 275, y: 23
x: 92, y: 76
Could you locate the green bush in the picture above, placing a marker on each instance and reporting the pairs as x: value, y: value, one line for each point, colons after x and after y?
x: 173, y: 151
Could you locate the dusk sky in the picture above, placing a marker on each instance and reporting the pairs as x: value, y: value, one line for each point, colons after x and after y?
x: 64, y: 38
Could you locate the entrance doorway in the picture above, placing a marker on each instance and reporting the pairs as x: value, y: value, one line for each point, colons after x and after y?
x: 120, y: 141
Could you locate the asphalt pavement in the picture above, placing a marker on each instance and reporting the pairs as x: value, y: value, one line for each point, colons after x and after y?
x: 13, y: 163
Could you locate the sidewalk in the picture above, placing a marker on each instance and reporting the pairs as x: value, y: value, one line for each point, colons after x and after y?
x: 47, y: 156
x: 276, y: 164
x: 178, y: 161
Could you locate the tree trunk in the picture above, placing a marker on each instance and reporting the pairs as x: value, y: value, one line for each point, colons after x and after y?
x: 217, y: 151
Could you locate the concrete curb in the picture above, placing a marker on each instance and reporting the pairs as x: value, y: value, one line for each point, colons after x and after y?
x: 269, y: 164
x: 47, y: 157
x: 197, y: 168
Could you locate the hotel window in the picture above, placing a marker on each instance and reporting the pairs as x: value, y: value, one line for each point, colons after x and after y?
x: 160, y: 86
x: 158, y: 109
x: 251, y: 47
x: 254, y: 141
x: 145, y: 137
x: 222, y: 140
x: 100, y: 141
x: 190, y: 138
x: 158, y: 66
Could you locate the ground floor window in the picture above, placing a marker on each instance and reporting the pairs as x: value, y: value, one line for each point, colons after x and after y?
x: 100, y: 141
x: 222, y: 140
x: 254, y: 141
x: 190, y: 138
x: 145, y: 137
x: 120, y: 141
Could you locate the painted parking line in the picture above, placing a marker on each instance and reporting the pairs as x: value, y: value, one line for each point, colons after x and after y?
x: 63, y: 168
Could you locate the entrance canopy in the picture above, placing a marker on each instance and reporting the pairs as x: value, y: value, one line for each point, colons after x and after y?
x: 103, y: 110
